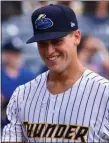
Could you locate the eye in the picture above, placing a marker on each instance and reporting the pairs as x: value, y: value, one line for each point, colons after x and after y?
x: 42, y: 44
x: 57, y: 41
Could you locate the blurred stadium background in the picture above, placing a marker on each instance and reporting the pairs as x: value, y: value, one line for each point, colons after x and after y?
x: 93, y: 19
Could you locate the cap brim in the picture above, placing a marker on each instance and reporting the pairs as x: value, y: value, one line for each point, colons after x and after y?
x: 47, y: 36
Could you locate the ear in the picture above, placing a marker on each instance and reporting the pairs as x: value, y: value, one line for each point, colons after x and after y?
x: 77, y: 35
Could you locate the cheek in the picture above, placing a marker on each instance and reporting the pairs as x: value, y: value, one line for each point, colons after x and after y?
x: 68, y: 53
x: 64, y: 54
x: 17, y: 57
x: 70, y: 56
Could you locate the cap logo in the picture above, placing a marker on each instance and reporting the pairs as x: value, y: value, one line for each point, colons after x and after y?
x: 42, y: 22
x: 72, y: 24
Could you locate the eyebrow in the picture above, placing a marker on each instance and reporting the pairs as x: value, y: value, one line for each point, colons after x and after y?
x: 62, y: 38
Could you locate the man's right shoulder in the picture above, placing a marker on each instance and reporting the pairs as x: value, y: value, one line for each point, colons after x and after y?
x: 33, y: 84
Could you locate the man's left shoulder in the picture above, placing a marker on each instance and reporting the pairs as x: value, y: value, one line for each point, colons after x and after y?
x: 93, y: 76
x: 102, y: 80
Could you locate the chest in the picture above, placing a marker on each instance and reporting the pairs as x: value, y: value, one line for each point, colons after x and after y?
x: 72, y: 108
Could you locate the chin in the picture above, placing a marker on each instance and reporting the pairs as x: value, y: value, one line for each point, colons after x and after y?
x: 56, y: 70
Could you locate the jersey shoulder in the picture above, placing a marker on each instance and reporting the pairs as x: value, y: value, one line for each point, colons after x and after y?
x: 35, y: 81
x: 29, y: 87
x: 97, y: 78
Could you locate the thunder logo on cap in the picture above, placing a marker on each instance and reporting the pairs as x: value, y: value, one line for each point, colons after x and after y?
x: 42, y: 22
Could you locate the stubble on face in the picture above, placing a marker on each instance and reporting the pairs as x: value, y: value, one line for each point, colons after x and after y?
x: 58, y: 54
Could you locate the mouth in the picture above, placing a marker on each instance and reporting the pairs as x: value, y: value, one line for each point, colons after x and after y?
x: 53, y: 58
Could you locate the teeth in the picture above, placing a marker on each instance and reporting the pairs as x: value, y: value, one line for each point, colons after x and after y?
x: 53, y: 58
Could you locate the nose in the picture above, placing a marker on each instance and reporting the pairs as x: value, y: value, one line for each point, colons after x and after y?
x: 50, y: 49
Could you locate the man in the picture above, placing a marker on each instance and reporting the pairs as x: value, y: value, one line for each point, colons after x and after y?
x: 13, y: 72
x: 68, y: 103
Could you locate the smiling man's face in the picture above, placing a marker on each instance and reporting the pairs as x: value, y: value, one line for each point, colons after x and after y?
x: 59, y: 54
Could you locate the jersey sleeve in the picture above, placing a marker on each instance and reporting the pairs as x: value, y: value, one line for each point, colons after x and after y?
x: 106, y: 119
x: 13, y: 131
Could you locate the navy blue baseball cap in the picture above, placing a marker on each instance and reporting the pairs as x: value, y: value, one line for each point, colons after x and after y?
x: 13, y: 45
x: 52, y: 22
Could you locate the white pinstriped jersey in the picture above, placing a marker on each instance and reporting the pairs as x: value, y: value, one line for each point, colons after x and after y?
x: 80, y: 114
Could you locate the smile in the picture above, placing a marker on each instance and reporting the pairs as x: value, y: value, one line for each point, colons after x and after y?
x: 53, y: 58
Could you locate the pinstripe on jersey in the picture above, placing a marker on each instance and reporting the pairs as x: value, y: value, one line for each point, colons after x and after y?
x: 79, y: 114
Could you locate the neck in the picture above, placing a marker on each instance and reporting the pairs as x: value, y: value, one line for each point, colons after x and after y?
x: 73, y: 71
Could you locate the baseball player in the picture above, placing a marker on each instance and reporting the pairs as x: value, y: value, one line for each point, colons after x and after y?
x: 68, y: 103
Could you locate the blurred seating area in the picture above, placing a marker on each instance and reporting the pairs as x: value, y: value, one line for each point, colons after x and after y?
x: 93, y: 21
